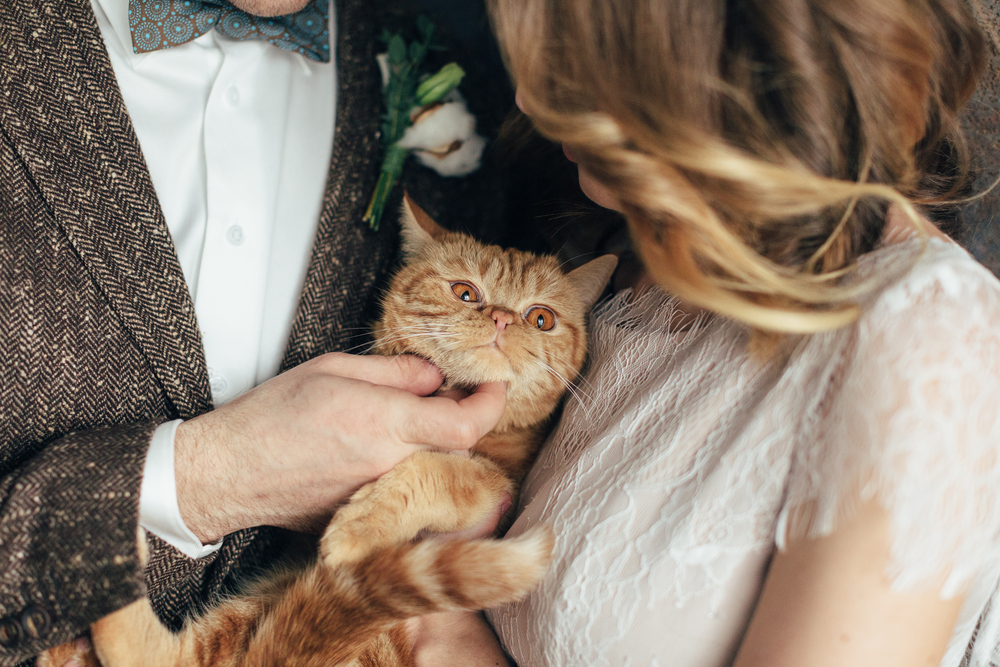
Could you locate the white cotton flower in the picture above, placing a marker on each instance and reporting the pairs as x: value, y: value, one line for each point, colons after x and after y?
x: 443, y: 137
x: 439, y: 124
x: 459, y: 162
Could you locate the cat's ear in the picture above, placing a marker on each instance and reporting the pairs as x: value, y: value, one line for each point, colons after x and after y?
x: 419, y: 230
x: 590, y: 279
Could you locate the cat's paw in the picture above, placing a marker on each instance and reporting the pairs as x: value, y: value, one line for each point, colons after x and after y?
x: 77, y: 653
x: 428, y: 491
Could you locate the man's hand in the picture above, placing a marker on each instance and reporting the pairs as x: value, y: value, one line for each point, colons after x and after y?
x: 455, y: 638
x: 287, y: 452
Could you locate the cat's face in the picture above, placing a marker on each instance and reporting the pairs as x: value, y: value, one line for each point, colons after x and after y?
x: 485, y: 314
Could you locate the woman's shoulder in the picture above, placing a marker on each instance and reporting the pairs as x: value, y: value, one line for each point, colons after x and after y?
x: 929, y: 316
x: 932, y: 317
x: 916, y: 275
x: 930, y: 313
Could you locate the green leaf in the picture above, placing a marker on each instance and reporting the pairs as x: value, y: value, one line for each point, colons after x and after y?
x: 416, y: 52
x: 425, y: 26
x: 397, y: 50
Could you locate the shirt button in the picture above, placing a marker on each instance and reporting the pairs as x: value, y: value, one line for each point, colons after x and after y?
x: 10, y: 633
x: 233, y: 96
x: 218, y: 385
x: 235, y: 235
x: 36, y: 622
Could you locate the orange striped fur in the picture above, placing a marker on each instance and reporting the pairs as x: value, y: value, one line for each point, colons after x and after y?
x: 347, y: 608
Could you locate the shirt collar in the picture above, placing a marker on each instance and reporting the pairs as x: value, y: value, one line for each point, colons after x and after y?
x: 117, y: 13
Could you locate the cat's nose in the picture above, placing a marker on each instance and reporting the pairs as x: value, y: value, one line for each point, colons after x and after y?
x: 502, y: 319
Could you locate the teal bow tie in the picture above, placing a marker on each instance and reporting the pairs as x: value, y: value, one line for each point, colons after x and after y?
x: 161, y: 24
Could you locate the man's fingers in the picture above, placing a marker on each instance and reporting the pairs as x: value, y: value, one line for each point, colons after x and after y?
x: 448, y: 424
x: 407, y: 372
x: 453, y: 394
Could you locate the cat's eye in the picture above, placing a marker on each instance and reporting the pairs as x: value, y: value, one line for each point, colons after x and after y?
x: 466, y: 292
x: 540, y: 317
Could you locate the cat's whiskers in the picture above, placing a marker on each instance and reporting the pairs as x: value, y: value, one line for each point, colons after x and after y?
x: 363, y: 348
x: 422, y: 328
x: 429, y: 331
x: 419, y: 332
x: 366, y: 348
x: 582, y: 397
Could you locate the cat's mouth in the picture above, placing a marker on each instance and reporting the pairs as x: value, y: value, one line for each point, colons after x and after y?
x: 492, y: 345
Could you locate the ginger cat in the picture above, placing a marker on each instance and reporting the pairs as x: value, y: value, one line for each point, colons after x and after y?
x: 481, y: 314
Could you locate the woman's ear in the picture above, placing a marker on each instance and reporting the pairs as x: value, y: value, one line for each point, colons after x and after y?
x: 418, y: 229
x: 590, y: 279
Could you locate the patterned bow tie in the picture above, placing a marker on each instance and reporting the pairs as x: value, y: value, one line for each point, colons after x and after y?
x: 161, y: 24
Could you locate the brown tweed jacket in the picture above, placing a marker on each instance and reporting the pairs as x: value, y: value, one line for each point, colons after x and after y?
x: 98, y: 338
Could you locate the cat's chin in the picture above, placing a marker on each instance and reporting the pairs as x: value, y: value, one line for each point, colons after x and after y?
x: 480, y: 365
x: 495, y: 362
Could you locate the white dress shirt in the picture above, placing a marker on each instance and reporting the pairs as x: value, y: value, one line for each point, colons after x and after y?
x: 237, y: 138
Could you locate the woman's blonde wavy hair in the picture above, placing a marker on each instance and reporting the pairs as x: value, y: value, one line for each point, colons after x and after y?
x: 754, y: 146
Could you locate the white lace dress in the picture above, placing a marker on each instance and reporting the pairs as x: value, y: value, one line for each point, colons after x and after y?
x: 670, y: 476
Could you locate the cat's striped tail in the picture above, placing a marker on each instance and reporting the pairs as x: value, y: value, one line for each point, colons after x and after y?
x: 329, y: 616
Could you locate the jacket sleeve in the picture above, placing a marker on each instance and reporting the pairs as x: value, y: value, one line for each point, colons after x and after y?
x: 68, y: 522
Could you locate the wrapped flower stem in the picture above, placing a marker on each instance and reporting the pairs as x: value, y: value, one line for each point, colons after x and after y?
x: 392, y: 167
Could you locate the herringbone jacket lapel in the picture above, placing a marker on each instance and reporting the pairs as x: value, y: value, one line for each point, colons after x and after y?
x: 65, y: 116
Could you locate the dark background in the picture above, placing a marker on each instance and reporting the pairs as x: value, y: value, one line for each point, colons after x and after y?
x: 982, y: 122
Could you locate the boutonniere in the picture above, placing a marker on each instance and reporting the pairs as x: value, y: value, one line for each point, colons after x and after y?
x: 424, y: 115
